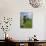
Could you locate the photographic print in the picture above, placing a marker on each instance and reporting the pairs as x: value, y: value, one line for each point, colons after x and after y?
x: 26, y: 19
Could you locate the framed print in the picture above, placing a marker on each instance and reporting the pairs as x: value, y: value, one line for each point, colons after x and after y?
x: 26, y: 19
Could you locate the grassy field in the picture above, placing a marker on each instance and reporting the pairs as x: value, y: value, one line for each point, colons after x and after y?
x: 27, y: 24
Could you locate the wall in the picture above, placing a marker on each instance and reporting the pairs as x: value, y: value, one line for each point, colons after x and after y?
x: 12, y: 8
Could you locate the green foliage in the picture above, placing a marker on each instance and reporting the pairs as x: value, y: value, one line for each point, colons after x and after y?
x: 27, y: 24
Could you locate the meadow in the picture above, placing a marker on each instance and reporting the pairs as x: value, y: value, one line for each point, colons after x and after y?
x: 27, y: 24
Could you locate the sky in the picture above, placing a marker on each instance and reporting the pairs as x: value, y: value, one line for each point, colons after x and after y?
x: 28, y: 14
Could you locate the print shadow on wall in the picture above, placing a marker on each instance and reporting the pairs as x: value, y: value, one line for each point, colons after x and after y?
x: 26, y: 19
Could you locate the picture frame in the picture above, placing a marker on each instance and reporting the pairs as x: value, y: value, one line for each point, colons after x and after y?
x: 26, y: 19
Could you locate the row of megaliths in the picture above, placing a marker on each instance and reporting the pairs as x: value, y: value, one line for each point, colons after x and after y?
x: 5, y: 25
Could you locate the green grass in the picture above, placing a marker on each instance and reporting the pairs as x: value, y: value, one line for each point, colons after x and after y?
x: 28, y: 24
